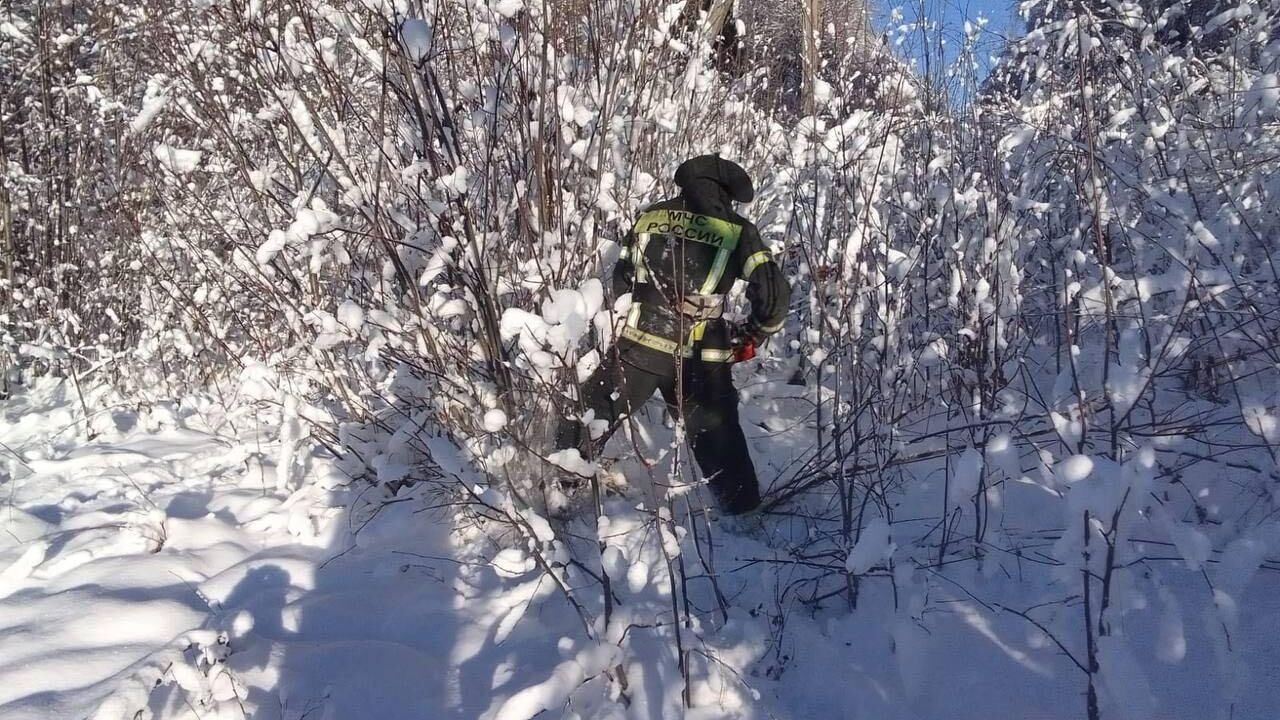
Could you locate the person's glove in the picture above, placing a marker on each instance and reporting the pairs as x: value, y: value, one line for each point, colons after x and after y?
x: 743, y: 342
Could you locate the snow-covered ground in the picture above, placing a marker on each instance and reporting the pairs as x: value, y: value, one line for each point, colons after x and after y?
x: 149, y: 567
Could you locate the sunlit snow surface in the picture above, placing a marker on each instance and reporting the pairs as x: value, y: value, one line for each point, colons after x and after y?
x: 155, y: 570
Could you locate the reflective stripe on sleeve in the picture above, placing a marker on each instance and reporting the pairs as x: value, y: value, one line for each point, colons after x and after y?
x: 775, y: 327
x: 755, y: 261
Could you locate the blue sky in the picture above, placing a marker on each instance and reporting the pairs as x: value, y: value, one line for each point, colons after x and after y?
x: 946, y: 20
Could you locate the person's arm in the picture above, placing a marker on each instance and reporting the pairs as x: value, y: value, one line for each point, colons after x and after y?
x: 767, y: 289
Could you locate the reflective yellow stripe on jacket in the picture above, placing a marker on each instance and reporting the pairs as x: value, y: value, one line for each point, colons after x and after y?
x: 671, y: 347
x: 755, y: 261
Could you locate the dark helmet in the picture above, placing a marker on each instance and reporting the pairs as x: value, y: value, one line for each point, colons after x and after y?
x: 727, y: 174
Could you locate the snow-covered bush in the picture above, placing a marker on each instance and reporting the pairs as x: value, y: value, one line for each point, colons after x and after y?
x: 1142, y: 164
x: 398, y: 215
x: 70, y: 194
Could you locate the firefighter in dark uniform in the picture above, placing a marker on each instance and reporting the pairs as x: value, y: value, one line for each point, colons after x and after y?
x: 679, y: 261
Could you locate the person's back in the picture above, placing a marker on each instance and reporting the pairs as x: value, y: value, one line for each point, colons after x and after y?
x: 682, y: 257
x: 679, y: 261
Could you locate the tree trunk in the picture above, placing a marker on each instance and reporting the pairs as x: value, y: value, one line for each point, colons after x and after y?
x: 717, y: 16
x: 811, y: 29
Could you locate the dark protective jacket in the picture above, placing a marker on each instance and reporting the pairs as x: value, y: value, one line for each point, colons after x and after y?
x: 681, y: 258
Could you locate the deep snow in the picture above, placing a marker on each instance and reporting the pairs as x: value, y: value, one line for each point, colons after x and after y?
x: 156, y: 570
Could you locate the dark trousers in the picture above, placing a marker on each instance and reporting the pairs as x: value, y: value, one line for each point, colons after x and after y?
x: 702, y: 392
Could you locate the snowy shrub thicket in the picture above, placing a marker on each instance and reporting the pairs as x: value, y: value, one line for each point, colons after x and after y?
x: 69, y: 171
x: 1139, y: 154
x: 401, y: 213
